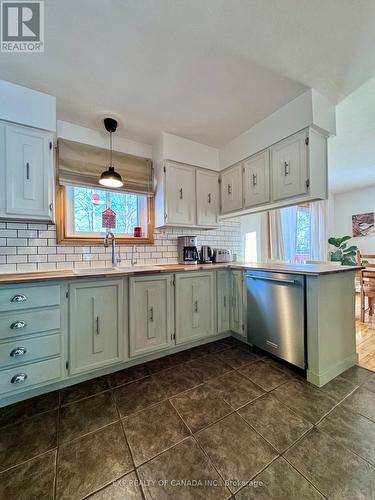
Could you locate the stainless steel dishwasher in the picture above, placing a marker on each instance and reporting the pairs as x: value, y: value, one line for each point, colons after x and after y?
x: 276, y: 314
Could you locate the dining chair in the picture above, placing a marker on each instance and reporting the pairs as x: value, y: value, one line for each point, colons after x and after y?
x: 366, y: 283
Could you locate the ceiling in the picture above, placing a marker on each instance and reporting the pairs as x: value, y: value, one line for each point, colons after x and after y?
x: 351, y: 153
x: 203, y: 69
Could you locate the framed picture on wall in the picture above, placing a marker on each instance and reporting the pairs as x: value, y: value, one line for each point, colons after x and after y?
x: 363, y: 224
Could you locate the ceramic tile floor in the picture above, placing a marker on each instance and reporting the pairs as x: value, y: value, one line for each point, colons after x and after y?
x: 218, y: 421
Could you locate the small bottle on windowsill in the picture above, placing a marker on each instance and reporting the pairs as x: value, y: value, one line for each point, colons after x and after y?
x: 137, y: 232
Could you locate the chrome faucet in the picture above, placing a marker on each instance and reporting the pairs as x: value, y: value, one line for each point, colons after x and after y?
x: 134, y: 260
x: 115, y: 260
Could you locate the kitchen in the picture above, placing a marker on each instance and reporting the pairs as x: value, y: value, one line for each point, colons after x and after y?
x: 132, y: 328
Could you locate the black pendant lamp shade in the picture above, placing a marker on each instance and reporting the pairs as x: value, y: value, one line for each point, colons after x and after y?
x: 110, y: 178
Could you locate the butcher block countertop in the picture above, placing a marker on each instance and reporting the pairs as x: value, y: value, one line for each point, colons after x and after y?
x: 305, y: 269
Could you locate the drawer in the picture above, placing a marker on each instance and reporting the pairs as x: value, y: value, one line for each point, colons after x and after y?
x: 33, y: 374
x: 28, y: 297
x: 26, y: 322
x: 24, y: 351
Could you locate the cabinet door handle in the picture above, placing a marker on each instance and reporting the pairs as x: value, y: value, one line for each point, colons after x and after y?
x: 286, y: 168
x: 17, y: 325
x: 151, y: 313
x: 196, y: 306
x: 181, y: 194
x: 18, y: 378
x: 225, y: 301
x: 255, y: 179
x: 19, y: 298
x: 27, y: 170
x: 209, y: 197
x: 18, y: 351
x: 97, y: 325
x: 229, y: 189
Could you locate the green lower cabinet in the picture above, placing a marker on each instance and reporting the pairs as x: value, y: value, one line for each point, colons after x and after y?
x: 237, y: 310
x: 223, y: 301
x: 150, y: 314
x: 195, y: 306
x: 96, y: 311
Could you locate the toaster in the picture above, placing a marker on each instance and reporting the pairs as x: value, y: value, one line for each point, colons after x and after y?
x: 222, y: 255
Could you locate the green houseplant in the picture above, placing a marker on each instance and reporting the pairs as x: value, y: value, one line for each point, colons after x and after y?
x: 344, y: 253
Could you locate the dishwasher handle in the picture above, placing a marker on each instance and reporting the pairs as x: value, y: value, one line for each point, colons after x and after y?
x: 277, y: 280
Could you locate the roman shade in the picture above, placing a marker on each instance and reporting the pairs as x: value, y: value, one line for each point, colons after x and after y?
x: 82, y: 164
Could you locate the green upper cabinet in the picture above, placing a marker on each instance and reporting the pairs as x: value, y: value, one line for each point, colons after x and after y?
x: 150, y: 313
x: 26, y: 173
x: 256, y: 180
x: 207, y: 186
x: 237, y: 306
x: 195, y: 306
x: 223, y: 301
x: 96, y: 318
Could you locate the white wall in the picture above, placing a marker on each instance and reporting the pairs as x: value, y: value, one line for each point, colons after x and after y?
x: 351, y: 203
x: 257, y: 223
x: 185, y: 151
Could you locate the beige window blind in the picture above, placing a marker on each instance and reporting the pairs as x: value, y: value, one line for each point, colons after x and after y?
x: 82, y: 164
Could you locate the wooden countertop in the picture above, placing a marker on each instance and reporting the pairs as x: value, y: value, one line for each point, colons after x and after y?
x: 305, y: 269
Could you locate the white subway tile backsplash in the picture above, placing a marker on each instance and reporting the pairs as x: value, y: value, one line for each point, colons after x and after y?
x: 8, y: 233
x: 16, y: 259
x: 27, y: 233
x: 26, y: 268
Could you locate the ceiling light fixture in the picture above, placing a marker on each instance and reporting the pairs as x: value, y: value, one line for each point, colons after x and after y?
x: 110, y: 178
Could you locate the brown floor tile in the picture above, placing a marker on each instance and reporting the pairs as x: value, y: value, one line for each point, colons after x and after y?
x: 362, y: 401
x: 237, y: 358
x: 357, y: 375
x: 151, y: 431
x: 138, y: 395
x: 208, y: 367
x: 131, y: 374
x: 275, y: 422
x: 339, y: 388
x: 351, y: 430
x: 279, y: 481
x: 286, y: 368
x: 333, y: 470
x: 163, y: 475
x: 27, y: 439
x: 86, y: 416
x: 34, y: 479
x: 125, y: 488
x: 83, y: 390
x: 370, y: 384
x: 177, y: 379
x: 220, y: 345
x: 200, y: 407
x: 196, y: 352
x: 165, y: 362
x: 305, y: 399
x: 265, y: 375
x: 236, y: 450
x: 235, y: 389
x: 91, y: 462
x: 23, y: 410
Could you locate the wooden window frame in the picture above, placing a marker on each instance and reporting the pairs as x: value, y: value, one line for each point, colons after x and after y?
x: 64, y: 239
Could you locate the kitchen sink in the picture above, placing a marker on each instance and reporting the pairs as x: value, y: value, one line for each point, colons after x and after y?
x: 116, y: 270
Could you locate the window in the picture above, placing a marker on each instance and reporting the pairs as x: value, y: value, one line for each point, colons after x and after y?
x: 251, y: 247
x: 80, y: 215
x: 303, y: 233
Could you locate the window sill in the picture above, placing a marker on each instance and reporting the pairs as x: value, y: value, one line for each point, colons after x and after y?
x: 81, y: 240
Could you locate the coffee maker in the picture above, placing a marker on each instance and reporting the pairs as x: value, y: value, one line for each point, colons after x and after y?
x: 187, y: 251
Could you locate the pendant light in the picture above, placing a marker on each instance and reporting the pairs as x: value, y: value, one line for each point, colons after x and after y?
x: 110, y: 178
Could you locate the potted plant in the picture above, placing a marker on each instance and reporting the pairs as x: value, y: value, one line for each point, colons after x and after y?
x: 344, y: 254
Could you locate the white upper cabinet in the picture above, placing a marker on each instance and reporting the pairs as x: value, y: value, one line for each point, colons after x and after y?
x: 289, y: 167
x: 26, y: 173
x: 256, y: 180
x: 231, y: 189
x: 179, y: 194
x: 207, y: 188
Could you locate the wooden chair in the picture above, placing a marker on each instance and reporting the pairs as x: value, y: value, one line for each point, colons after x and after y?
x: 366, y: 283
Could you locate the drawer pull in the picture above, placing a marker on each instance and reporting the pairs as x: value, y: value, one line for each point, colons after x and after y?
x: 17, y: 325
x: 18, y: 378
x: 18, y: 351
x: 19, y: 298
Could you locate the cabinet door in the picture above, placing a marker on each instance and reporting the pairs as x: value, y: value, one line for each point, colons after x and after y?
x: 207, y: 198
x: 195, y: 306
x: 236, y: 316
x: 231, y: 189
x: 95, y: 324
x: 223, y: 301
x: 150, y: 314
x: 257, y: 180
x: 180, y: 194
x: 289, y: 167
x: 29, y: 173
